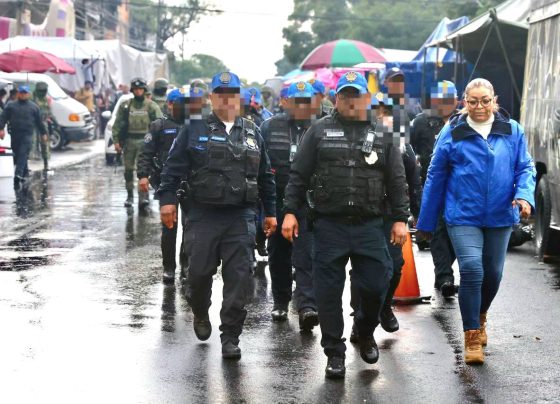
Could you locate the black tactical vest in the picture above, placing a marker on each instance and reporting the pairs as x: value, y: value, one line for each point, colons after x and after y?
x: 224, y: 166
x: 168, y: 130
x: 344, y: 183
x: 282, y: 142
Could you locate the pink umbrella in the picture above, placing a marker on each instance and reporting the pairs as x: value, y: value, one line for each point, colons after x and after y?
x: 341, y: 53
x: 33, y: 61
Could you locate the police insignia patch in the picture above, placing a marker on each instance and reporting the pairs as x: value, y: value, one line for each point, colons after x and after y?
x: 312, y: 81
x: 379, y: 97
x: 225, y: 77
x: 351, y: 76
x: 251, y: 143
x: 300, y: 86
x: 148, y: 138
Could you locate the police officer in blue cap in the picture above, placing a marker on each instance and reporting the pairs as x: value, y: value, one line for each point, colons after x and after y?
x: 226, y: 168
x: 157, y: 144
x: 282, y: 135
x: 346, y: 169
x: 320, y: 97
x: 23, y: 117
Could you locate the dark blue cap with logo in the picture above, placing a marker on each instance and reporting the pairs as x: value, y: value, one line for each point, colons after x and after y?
x: 256, y: 95
x: 318, y: 86
x: 300, y: 89
x: 175, y: 95
x: 284, y: 92
x: 225, y: 80
x: 352, y: 79
x: 23, y: 88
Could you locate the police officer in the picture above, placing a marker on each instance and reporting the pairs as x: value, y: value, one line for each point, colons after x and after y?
x: 160, y: 94
x: 157, y: 143
x: 320, y: 98
x: 282, y: 134
x: 40, y: 98
x: 23, y: 118
x: 225, y: 166
x: 346, y: 167
x: 423, y: 133
x: 131, y: 126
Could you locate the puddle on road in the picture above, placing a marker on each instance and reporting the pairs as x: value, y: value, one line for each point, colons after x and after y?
x: 26, y: 253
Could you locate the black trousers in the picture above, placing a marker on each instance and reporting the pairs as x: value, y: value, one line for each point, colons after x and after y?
x: 226, y: 236
x: 363, y: 243
x: 282, y: 255
x: 443, y: 254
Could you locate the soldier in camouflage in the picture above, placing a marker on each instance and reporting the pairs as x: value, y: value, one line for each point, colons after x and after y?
x: 40, y: 98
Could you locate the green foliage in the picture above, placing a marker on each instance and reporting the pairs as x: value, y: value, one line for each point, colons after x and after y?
x: 198, y: 66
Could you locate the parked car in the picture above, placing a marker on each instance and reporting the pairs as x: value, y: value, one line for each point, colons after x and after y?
x: 540, y: 116
x: 110, y: 153
x: 72, y: 120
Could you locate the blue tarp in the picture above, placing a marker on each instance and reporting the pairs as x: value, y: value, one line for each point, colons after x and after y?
x: 444, y: 28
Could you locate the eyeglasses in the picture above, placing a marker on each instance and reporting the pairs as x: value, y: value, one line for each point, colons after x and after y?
x: 484, y: 102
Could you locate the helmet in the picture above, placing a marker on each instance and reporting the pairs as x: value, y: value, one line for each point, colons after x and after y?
x: 138, y: 83
x: 160, y: 86
x: 41, y: 86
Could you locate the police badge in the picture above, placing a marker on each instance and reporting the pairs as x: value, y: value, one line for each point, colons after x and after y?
x: 225, y: 78
x: 148, y: 138
x: 351, y: 76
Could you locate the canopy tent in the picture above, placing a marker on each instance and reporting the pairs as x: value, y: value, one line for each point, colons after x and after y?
x: 444, y: 28
x: 495, y: 42
x: 117, y: 63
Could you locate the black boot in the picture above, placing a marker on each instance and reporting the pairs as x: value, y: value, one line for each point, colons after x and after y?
x: 230, y: 350
x: 335, y: 367
x: 168, y: 275
x: 368, y: 349
x: 202, y: 328
x: 279, y: 312
x: 354, y: 337
x: 447, y: 289
x: 129, y: 199
x: 388, y: 320
x: 308, y: 318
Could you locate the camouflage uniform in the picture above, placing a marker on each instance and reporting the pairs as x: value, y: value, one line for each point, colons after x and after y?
x: 40, y: 98
x: 160, y: 94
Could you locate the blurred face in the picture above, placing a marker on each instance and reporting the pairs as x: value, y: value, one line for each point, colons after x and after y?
x: 23, y: 96
x: 301, y: 109
x: 88, y: 86
x: 480, y: 103
x: 395, y: 86
x: 226, y: 103
x: 443, y: 107
x: 194, y: 106
x: 138, y: 92
x: 352, y: 105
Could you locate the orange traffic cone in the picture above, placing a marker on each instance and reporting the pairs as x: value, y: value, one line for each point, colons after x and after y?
x: 408, y: 291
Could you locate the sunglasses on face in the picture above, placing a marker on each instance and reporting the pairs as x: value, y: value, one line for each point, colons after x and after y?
x: 484, y: 102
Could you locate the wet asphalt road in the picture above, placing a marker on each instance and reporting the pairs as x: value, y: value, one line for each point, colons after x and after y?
x: 85, y: 318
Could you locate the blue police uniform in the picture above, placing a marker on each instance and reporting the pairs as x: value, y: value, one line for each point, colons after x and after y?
x: 226, y: 174
x: 282, y: 136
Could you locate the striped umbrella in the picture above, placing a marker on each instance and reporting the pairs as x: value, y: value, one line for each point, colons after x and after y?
x: 341, y: 53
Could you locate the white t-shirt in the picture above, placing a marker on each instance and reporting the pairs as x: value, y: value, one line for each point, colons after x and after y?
x: 229, y: 125
x: 483, y: 128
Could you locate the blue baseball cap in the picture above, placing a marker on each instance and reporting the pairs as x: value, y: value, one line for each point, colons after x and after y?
x: 318, y: 86
x: 23, y: 88
x: 175, y: 95
x: 225, y: 80
x: 196, y: 92
x: 301, y: 89
x: 256, y: 95
x: 352, y: 79
x: 444, y: 89
x: 332, y: 93
x: 246, y: 96
x: 284, y: 92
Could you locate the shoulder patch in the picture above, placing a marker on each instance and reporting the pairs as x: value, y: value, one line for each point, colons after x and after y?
x: 148, y: 138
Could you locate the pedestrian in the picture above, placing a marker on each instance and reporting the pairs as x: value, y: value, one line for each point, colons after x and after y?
x: 23, y: 118
x: 157, y: 144
x: 347, y: 170
x: 394, y: 80
x: 3, y: 94
x: 44, y: 103
x: 423, y: 133
x: 282, y: 134
x: 160, y: 94
x: 131, y: 125
x: 225, y: 166
x: 382, y: 106
x: 483, y: 177
x: 86, y: 97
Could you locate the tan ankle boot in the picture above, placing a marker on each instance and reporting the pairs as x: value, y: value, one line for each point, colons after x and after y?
x: 483, y: 335
x: 473, y: 348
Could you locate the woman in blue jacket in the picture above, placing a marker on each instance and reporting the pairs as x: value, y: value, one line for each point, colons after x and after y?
x: 483, y: 178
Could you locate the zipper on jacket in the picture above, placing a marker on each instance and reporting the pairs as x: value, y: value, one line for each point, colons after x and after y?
x: 488, y: 149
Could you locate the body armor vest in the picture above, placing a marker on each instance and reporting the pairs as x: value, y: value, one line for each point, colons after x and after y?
x: 225, y: 166
x: 138, y: 118
x: 345, y: 182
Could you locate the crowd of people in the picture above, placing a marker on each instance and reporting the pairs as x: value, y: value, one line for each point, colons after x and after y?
x: 314, y: 178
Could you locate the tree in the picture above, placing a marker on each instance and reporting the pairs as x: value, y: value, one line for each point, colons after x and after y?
x: 198, y: 66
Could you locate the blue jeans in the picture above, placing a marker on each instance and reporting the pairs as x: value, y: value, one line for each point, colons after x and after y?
x: 481, y: 253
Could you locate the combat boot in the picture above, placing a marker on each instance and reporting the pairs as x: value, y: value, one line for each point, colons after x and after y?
x: 335, y: 367
x: 473, y: 348
x: 143, y: 200
x: 230, y: 350
x: 483, y: 335
x: 202, y: 327
x: 388, y: 320
x: 129, y: 199
x: 368, y: 349
x: 279, y: 312
x: 308, y: 318
x: 354, y: 337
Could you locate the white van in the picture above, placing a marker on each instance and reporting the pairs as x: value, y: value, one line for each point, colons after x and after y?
x: 73, y: 122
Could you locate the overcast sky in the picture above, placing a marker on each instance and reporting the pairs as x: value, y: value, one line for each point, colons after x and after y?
x: 247, y: 37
